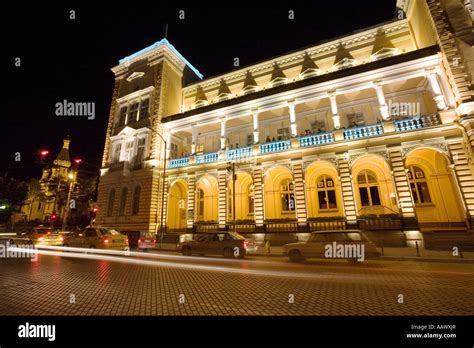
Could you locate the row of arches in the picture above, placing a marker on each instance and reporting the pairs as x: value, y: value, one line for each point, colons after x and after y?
x: 432, y: 185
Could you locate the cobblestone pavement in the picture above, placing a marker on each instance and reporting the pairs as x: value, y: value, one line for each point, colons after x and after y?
x: 258, y: 286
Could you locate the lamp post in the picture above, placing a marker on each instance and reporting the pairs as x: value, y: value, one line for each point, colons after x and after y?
x: 163, y: 189
x: 68, y: 204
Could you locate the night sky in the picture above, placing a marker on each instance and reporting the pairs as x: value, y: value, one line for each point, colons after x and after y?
x: 71, y: 59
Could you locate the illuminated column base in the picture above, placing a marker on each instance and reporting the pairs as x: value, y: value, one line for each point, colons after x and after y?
x: 294, y: 130
x: 402, y: 187
x: 191, y: 197
x: 348, y: 199
x: 258, y: 197
x: 440, y: 102
x: 384, y: 112
x: 299, y: 194
x: 255, y: 137
x: 222, y: 194
x: 336, y: 119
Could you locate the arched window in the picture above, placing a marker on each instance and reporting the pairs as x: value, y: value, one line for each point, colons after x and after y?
x: 200, y: 203
x: 251, y: 199
x: 123, y: 201
x: 368, y: 189
x: 419, y: 185
x: 287, y: 195
x: 136, y: 200
x: 110, y: 202
x: 326, y: 193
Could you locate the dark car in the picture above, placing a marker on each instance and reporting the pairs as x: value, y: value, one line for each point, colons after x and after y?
x: 228, y: 244
x: 133, y: 237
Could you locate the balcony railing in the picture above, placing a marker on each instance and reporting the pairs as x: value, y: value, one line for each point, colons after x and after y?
x: 241, y: 152
x: 401, y: 125
x: 363, y: 132
x: 317, y: 139
x: 275, y: 146
x: 207, y: 158
x: 178, y: 162
x: 416, y: 122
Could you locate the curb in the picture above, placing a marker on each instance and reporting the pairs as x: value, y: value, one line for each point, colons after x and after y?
x: 426, y: 259
x: 382, y: 258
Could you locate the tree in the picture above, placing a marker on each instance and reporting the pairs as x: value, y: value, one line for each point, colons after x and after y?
x: 12, y: 194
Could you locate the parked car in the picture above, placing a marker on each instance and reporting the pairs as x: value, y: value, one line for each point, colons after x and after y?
x: 318, y: 244
x: 98, y: 238
x: 133, y: 237
x: 40, y: 235
x: 228, y: 244
x: 146, y: 240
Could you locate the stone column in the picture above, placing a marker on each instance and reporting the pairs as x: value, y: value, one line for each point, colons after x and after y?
x: 194, y: 139
x: 169, y: 137
x: 222, y: 198
x: 381, y: 98
x: 432, y: 76
x: 191, y: 200
x: 223, y: 131
x: 293, y: 125
x: 463, y: 176
x: 300, y: 200
x: 405, y: 198
x: 258, y: 197
x: 335, y: 116
x: 348, y: 196
x: 255, y: 126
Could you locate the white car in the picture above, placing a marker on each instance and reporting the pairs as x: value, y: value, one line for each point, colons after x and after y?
x: 338, y: 244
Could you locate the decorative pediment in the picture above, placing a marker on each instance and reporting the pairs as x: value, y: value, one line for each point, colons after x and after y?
x: 127, y: 131
x: 344, y: 63
x: 278, y: 76
x: 249, y: 84
x: 135, y: 75
x: 223, y: 96
x: 224, y: 92
x: 384, y: 53
x: 249, y: 89
x: 278, y: 81
x: 310, y: 72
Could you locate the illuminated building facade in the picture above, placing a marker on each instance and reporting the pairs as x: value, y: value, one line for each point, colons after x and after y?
x: 370, y: 130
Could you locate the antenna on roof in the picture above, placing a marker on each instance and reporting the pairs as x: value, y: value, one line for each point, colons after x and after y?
x: 166, y: 31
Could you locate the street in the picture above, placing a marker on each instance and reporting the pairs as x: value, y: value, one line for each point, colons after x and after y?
x: 166, y: 283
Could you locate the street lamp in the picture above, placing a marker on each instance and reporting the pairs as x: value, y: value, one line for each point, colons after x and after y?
x: 68, y: 204
x: 163, y: 188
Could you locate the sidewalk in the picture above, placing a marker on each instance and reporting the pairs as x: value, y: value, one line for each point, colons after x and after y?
x: 390, y: 254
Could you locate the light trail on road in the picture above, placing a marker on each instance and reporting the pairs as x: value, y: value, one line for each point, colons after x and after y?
x: 190, y: 266
x: 231, y: 261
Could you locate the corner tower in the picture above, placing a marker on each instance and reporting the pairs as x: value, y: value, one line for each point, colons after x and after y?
x: 148, y: 87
